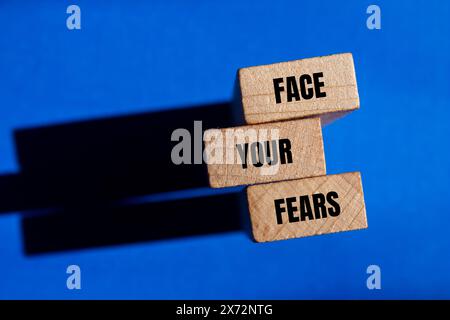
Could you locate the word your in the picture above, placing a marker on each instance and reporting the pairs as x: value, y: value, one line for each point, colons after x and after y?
x: 306, y: 90
x: 73, y: 22
x: 318, y: 209
x: 265, y: 152
x: 74, y: 280
x: 374, y: 20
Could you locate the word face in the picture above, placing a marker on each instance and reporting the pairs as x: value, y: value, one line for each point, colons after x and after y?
x: 310, y: 87
x: 322, y: 87
x: 267, y: 152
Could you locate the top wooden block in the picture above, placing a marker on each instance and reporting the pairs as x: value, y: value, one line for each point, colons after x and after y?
x: 323, y: 86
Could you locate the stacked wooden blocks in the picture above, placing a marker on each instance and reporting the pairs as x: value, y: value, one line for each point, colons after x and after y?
x: 280, y: 153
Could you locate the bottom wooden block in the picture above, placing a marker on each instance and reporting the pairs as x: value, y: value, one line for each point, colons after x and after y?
x: 307, y: 207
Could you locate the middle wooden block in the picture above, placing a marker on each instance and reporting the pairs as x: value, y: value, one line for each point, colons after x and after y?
x: 264, y: 152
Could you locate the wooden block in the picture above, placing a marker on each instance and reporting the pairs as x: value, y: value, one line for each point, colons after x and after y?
x: 307, y: 207
x: 295, y: 151
x: 323, y: 86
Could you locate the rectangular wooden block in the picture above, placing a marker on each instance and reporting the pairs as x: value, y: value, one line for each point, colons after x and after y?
x: 265, y: 153
x: 307, y: 207
x: 323, y: 86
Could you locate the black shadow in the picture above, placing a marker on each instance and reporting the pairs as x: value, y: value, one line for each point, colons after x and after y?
x: 75, y: 176
x: 106, y: 159
x: 96, y: 226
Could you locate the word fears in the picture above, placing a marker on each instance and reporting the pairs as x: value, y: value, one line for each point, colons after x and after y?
x: 307, y: 207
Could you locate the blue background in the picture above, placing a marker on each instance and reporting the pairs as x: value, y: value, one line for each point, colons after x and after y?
x: 139, y: 56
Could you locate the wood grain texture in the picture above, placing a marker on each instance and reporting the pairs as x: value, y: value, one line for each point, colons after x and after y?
x: 263, y: 208
x: 306, y: 148
x: 257, y: 93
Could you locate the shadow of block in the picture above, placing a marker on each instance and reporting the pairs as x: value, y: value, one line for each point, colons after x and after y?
x: 78, y: 228
x: 106, y: 159
x: 75, y: 180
